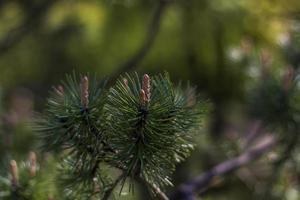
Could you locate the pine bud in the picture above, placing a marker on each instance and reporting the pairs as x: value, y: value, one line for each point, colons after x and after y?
x: 146, y: 87
x: 143, y: 97
x: 85, y: 91
x: 14, y: 172
x: 191, y: 97
x: 59, y: 90
x: 125, y: 81
x: 32, y: 162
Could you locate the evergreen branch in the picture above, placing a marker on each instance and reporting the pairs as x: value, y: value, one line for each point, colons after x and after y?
x: 160, y: 194
x: 110, y: 190
x: 199, y: 183
x: 156, y: 122
x: 95, y: 168
x: 151, y: 34
x: 134, y: 126
x: 16, y: 34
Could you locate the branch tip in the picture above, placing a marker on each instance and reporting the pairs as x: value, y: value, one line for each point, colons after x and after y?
x: 32, y: 162
x: 143, y: 97
x: 14, y: 172
x: 125, y: 81
x: 85, y: 91
x: 59, y: 90
x: 146, y: 86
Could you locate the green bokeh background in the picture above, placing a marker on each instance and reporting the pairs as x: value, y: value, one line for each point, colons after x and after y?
x: 196, y: 42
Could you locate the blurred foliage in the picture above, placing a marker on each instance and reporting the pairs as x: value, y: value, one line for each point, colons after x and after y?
x: 224, y: 47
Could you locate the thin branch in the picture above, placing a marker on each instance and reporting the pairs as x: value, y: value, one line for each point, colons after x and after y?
x: 253, y: 133
x: 285, y: 155
x: 16, y: 34
x: 151, y: 34
x: 188, y: 189
x: 95, y: 168
x: 160, y: 194
x: 108, y: 192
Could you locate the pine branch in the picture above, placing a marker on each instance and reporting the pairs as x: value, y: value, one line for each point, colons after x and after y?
x: 151, y: 34
x: 135, y: 125
x: 199, y: 183
x: 110, y: 190
x: 22, y: 181
x: 254, y: 131
x: 156, y: 120
x: 160, y: 194
x: 16, y: 34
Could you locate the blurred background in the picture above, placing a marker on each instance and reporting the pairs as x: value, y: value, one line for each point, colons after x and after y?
x: 230, y: 49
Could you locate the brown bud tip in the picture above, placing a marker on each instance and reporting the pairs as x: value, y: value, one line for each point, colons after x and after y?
x: 125, y: 81
x: 59, y: 90
x: 50, y: 197
x: 143, y: 97
x: 85, y: 91
x: 288, y: 78
x: 191, y: 97
x: 147, y: 87
x: 32, y: 161
x: 14, y: 172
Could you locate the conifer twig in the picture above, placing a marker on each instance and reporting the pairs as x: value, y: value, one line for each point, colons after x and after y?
x: 143, y: 97
x: 16, y: 34
x: 160, y: 194
x: 109, y: 191
x: 14, y: 173
x: 187, y: 190
x: 59, y: 90
x: 151, y: 34
x: 146, y: 86
x: 32, y: 162
x: 85, y: 92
